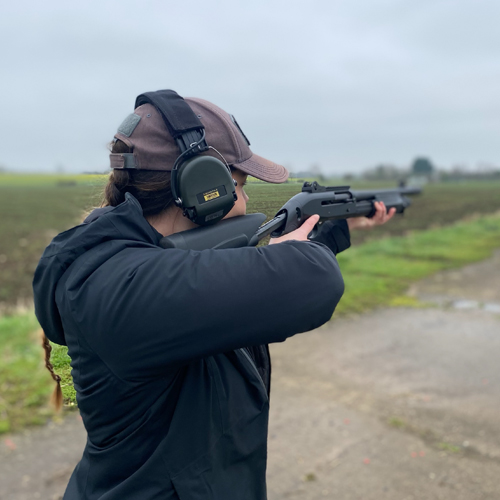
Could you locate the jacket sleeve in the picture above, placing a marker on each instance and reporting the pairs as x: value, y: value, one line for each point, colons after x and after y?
x: 146, y: 310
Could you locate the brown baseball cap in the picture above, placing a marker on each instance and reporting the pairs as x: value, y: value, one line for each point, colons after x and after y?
x: 153, y: 147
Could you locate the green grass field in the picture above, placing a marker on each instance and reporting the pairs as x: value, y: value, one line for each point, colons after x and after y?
x: 441, y: 230
x: 33, y: 209
x: 378, y: 272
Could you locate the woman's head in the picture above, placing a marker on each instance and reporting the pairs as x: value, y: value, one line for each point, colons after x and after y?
x: 153, y: 191
x: 144, y: 154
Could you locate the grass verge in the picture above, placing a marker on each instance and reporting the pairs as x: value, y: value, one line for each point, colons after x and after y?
x: 379, y: 272
x: 376, y: 273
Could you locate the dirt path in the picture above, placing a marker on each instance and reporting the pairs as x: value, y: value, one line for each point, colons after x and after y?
x: 394, y: 404
x: 38, y: 462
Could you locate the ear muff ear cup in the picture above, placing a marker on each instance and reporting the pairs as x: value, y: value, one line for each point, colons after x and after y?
x: 206, y: 189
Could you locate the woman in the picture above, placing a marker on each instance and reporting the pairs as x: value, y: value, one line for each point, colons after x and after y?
x: 169, y: 347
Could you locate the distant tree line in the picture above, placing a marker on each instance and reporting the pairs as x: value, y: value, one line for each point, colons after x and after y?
x: 423, y: 168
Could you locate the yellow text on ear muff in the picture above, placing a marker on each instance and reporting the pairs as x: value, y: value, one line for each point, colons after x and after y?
x: 211, y: 195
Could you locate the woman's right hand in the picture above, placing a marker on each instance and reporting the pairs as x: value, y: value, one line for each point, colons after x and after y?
x: 299, y: 234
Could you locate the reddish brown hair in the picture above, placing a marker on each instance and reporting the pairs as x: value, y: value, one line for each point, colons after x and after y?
x: 57, y: 396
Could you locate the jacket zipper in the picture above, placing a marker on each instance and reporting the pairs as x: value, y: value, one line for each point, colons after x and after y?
x: 255, y: 369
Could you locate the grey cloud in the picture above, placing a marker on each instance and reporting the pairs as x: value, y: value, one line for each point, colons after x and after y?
x: 347, y: 84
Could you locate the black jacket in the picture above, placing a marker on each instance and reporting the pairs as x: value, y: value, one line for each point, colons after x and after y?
x: 172, y: 401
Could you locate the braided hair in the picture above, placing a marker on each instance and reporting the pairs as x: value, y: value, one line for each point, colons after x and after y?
x: 57, y: 396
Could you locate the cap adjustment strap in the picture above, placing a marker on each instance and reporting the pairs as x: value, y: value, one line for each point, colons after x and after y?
x: 123, y: 160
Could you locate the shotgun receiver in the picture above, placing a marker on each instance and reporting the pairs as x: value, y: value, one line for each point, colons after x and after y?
x: 338, y: 202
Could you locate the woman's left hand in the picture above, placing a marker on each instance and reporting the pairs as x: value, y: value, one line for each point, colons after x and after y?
x: 381, y: 217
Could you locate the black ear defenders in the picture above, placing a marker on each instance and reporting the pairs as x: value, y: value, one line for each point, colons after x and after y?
x: 201, y: 185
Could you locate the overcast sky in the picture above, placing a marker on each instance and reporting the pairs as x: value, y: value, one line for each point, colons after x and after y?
x: 346, y: 84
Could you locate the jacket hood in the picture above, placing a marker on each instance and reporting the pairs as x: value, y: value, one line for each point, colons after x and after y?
x: 124, y: 222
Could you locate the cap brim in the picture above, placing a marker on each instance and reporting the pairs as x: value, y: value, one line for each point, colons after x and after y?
x: 263, y: 169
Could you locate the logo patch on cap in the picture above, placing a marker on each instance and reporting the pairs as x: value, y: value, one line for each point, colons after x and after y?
x: 128, y: 125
